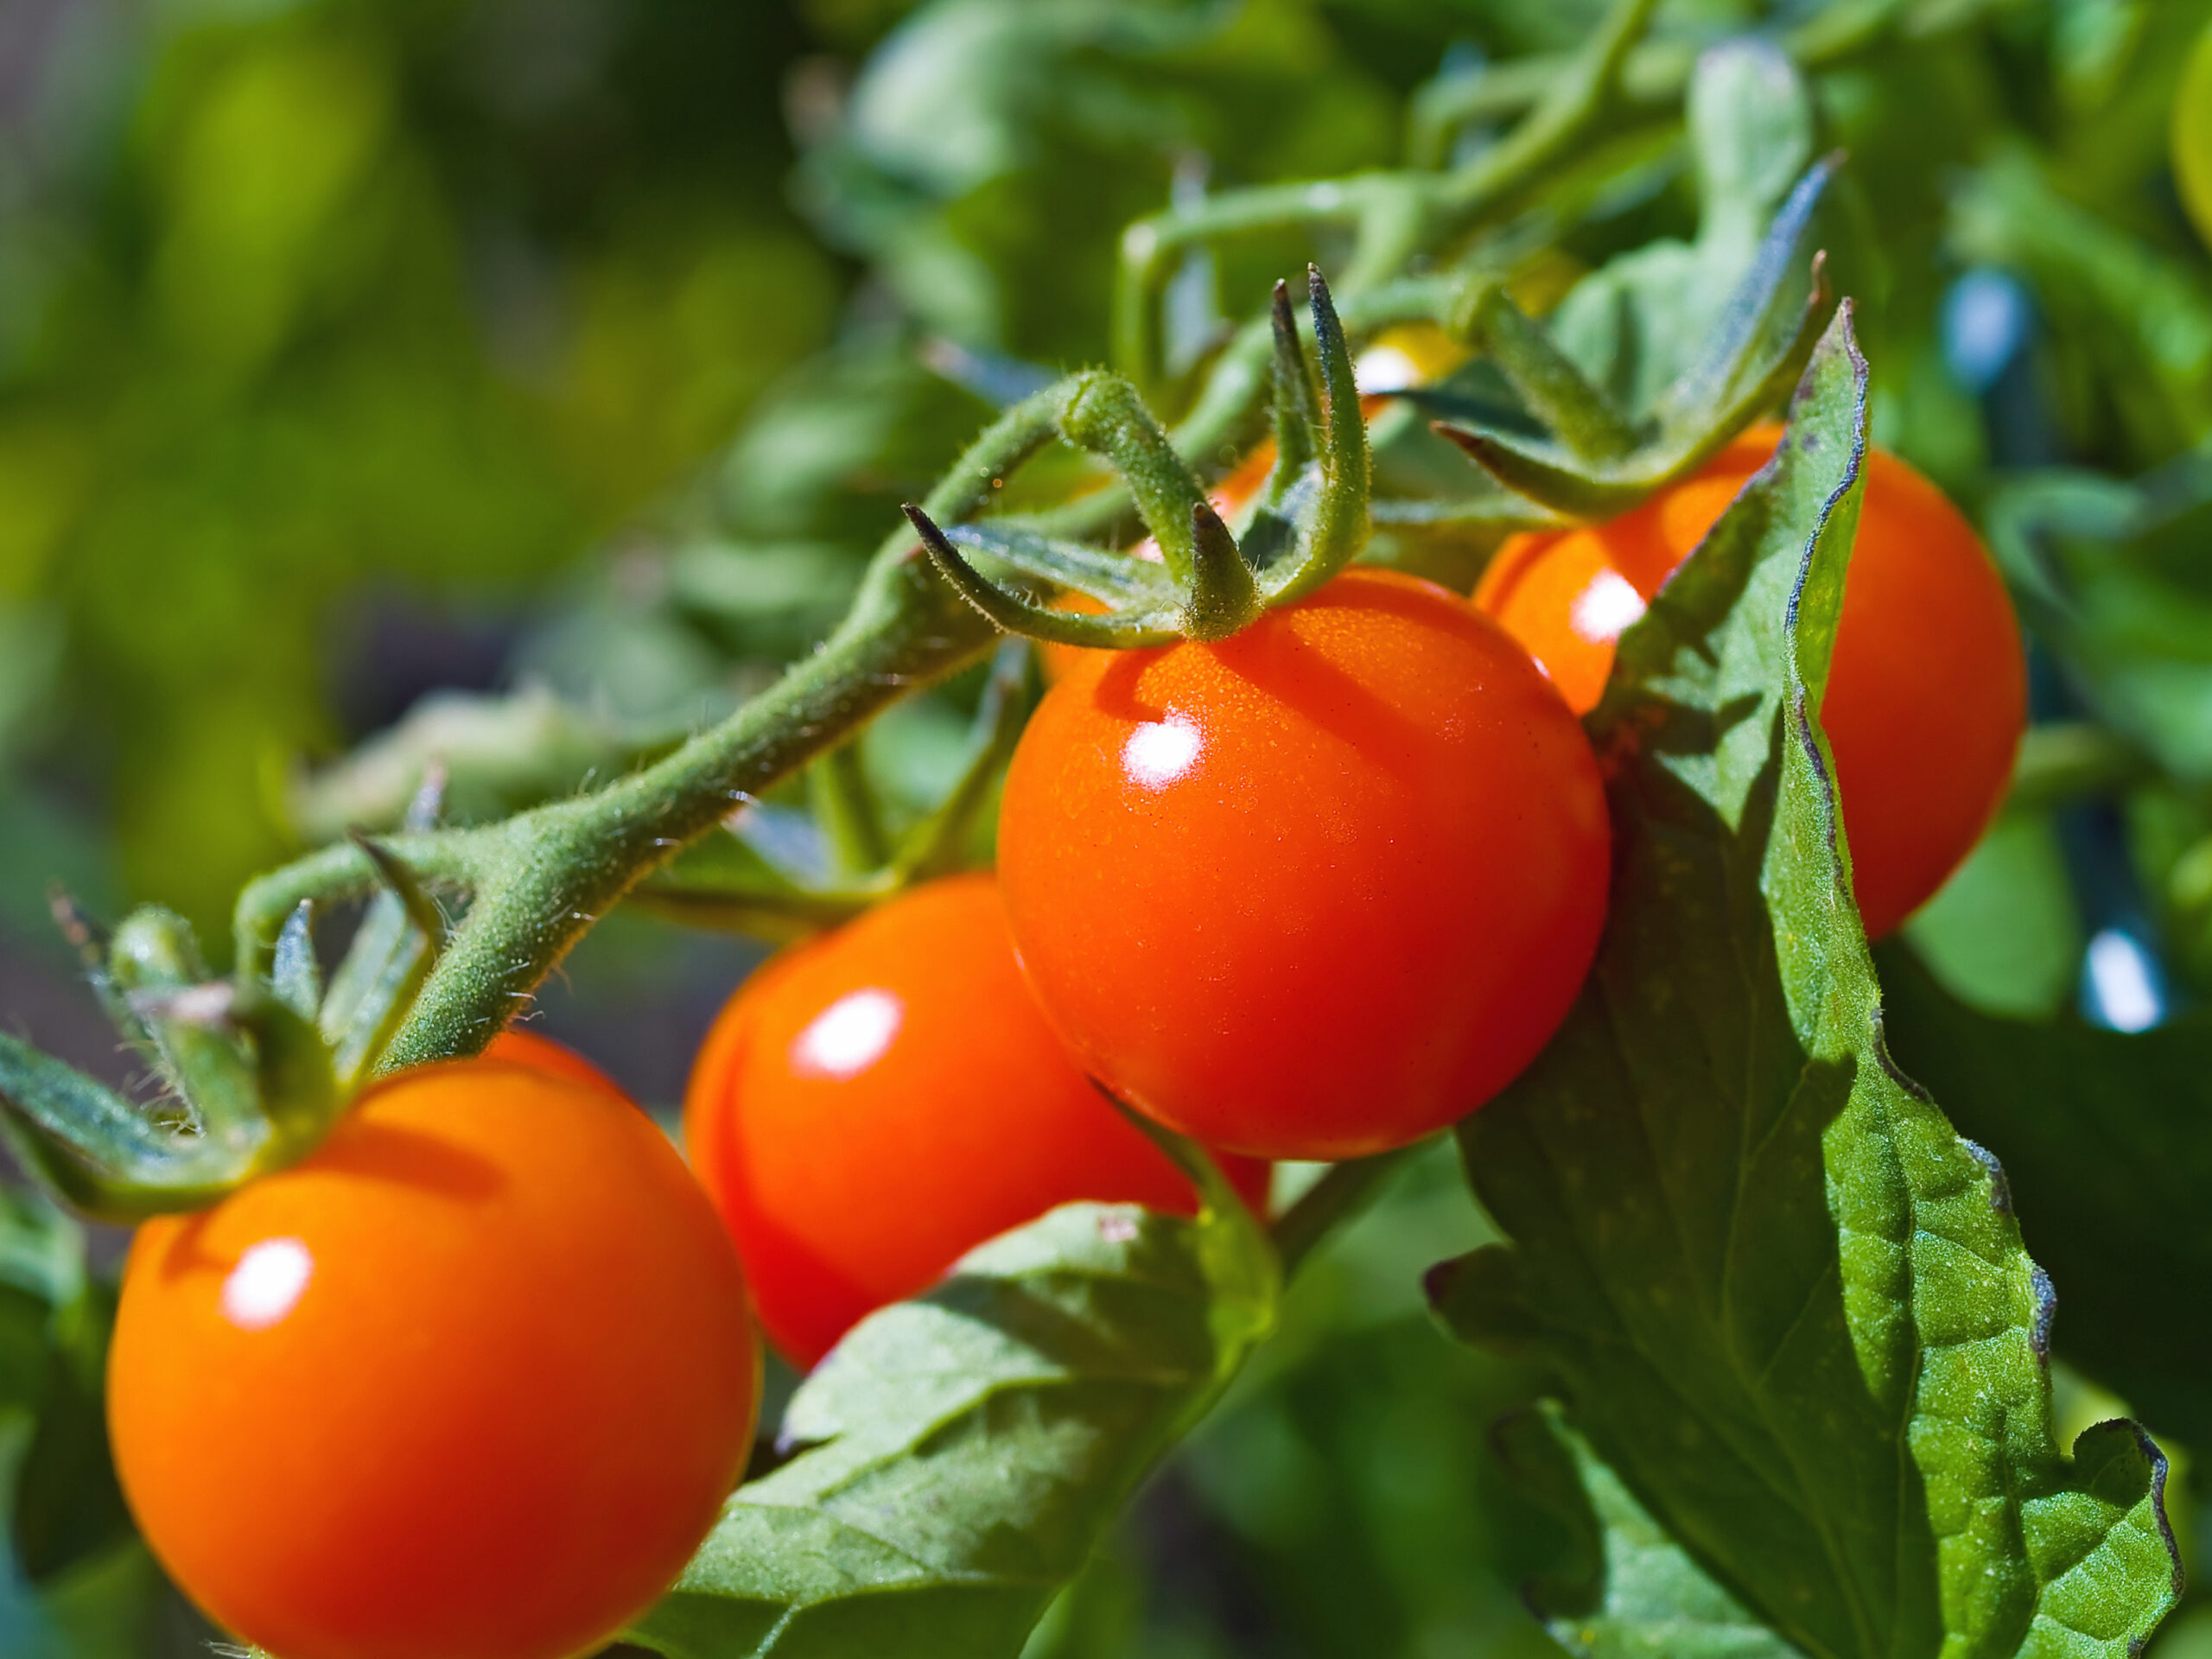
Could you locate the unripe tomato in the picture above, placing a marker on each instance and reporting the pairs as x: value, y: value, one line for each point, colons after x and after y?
x: 876, y: 1103
x: 1314, y: 890
x: 1928, y: 692
x: 472, y: 1381
x: 2192, y: 136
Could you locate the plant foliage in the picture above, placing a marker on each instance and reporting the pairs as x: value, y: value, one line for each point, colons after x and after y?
x: 1773, y: 1255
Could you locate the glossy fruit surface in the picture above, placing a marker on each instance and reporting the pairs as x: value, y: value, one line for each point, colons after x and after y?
x: 874, y: 1105
x: 472, y: 1381
x: 1928, y: 691
x: 1314, y: 890
x: 543, y: 1054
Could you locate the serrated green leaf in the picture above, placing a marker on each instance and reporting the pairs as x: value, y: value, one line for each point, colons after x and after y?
x: 1785, y: 1301
x: 1643, y: 1597
x: 2106, y: 1139
x: 962, y: 1453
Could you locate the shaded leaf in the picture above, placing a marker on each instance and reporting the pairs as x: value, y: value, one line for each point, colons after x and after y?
x: 1642, y: 1597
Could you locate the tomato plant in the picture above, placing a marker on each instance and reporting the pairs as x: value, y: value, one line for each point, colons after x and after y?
x: 1757, y: 1354
x: 874, y: 1105
x: 472, y: 1380
x: 1930, y: 693
x: 1193, y: 837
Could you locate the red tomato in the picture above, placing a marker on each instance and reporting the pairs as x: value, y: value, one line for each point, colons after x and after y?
x: 544, y: 1054
x: 1928, y: 693
x: 1315, y: 890
x: 472, y: 1381
x: 874, y: 1105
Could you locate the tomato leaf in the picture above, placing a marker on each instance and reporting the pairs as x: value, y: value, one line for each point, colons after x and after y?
x: 1642, y: 1597
x: 2106, y: 1142
x: 1693, y: 341
x: 58, y: 1487
x: 1783, y: 1299
x: 963, y: 1451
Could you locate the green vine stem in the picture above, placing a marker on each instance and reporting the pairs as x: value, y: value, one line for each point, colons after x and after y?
x: 520, y: 892
x: 537, y: 882
x: 1393, y: 215
x: 1652, y: 74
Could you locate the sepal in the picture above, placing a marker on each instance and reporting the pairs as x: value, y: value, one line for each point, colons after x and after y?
x: 1114, y: 579
x: 1549, y: 384
x: 1224, y: 596
x: 1754, y: 356
x: 374, y: 986
x: 1018, y: 615
x: 295, y: 975
x: 101, y: 1155
x: 1297, y: 414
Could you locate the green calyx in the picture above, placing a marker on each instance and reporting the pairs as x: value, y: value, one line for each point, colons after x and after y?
x: 1309, y: 522
x: 1600, y: 461
x: 252, y: 1072
x: 248, y: 1086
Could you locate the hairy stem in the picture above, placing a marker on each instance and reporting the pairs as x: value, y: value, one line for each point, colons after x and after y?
x: 538, y: 880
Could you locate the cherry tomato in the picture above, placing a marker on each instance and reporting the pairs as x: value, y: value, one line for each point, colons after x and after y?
x: 1928, y: 692
x: 544, y: 1054
x: 874, y: 1105
x: 1316, y: 889
x: 472, y: 1381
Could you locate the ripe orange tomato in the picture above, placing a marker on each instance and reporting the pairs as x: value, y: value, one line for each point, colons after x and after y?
x: 1315, y: 890
x: 876, y: 1103
x: 1928, y: 692
x: 472, y: 1381
x: 544, y: 1054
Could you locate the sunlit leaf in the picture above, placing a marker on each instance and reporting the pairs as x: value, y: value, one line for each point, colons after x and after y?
x: 1786, y: 1302
x: 959, y: 1455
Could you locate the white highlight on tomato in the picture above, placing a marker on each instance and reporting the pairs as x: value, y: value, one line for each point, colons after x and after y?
x: 1604, y: 609
x: 267, y: 1283
x: 849, y: 1035
x: 1161, y: 751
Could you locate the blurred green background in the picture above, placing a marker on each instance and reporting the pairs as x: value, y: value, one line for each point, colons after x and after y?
x: 557, y: 362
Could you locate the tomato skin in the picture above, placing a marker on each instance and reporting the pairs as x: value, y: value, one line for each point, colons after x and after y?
x: 1315, y: 890
x: 875, y: 1103
x: 527, y: 1048
x: 1928, y: 692
x: 472, y: 1381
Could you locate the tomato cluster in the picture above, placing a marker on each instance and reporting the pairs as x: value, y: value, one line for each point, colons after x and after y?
x: 1312, y: 891
x: 874, y: 1105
